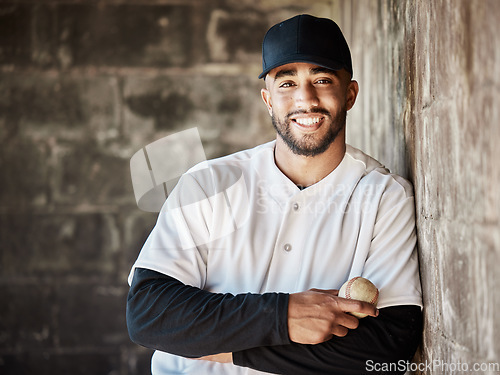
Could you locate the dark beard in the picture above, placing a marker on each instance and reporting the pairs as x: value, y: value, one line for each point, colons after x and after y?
x: 304, y: 146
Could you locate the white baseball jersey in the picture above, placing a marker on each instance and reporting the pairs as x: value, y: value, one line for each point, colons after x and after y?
x: 237, y: 224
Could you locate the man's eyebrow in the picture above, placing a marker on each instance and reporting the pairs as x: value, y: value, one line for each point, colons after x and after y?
x: 319, y: 70
x: 285, y: 73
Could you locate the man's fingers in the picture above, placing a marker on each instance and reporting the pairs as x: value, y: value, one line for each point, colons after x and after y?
x: 349, y: 321
x: 340, y: 331
x: 350, y: 305
x: 316, y: 315
x: 333, y: 292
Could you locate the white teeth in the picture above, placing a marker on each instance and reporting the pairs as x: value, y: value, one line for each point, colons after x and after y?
x: 308, y: 121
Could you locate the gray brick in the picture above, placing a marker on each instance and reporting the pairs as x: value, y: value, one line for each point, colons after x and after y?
x: 235, y: 35
x: 25, y: 174
x: 26, y: 312
x: 84, y: 174
x: 59, y: 245
x: 34, y: 104
x: 48, y: 362
x: 15, y: 34
x: 222, y: 108
x: 101, y: 323
x: 27, y: 99
x: 126, y: 34
x: 136, y: 227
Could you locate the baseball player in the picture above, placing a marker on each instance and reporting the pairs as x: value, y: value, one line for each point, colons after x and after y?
x: 240, y: 273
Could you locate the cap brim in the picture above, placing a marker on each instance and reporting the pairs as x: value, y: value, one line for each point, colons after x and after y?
x: 316, y: 60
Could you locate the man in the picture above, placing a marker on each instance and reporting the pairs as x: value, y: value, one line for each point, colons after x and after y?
x: 226, y: 276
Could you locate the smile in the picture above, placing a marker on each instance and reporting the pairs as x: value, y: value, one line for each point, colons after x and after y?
x: 308, y: 121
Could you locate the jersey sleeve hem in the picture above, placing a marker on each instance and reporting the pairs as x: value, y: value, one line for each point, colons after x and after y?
x: 400, y: 301
x: 157, y: 268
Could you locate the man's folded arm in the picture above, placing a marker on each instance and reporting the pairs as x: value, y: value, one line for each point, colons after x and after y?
x: 380, y: 345
x: 165, y: 314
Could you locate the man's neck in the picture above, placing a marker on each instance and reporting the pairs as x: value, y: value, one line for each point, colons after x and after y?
x: 307, y: 170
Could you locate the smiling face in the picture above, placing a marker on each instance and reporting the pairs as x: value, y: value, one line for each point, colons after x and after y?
x: 308, y: 105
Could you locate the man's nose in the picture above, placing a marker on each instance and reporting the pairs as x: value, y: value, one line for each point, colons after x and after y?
x: 306, y: 96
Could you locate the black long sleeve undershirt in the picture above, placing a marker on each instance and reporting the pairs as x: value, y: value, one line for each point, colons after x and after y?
x: 164, y: 314
x: 167, y: 315
x: 389, y: 339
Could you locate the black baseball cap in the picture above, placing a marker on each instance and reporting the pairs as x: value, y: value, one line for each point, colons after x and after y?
x: 305, y: 38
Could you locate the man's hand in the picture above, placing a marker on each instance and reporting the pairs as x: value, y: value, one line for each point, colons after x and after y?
x: 314, y: 316
x: 221, y: 358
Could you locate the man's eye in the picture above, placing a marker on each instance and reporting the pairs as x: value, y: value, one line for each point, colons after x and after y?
x: 323, y: 81
x: 286, y: 85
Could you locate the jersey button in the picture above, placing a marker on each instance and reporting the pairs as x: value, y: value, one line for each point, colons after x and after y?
x: 296, y: 206
x: 287, y: 247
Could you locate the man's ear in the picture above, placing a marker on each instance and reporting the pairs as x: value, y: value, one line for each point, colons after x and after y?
x: 352, y: 94
x: 266, y: 98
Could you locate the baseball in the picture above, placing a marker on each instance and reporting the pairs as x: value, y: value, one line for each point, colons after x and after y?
x: 360, y: 289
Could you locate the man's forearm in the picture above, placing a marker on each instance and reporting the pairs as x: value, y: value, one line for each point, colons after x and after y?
x: 391, y: 337
x: 164, y: 314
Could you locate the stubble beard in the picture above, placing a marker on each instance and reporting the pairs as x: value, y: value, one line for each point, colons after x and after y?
x: 307, y: 145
